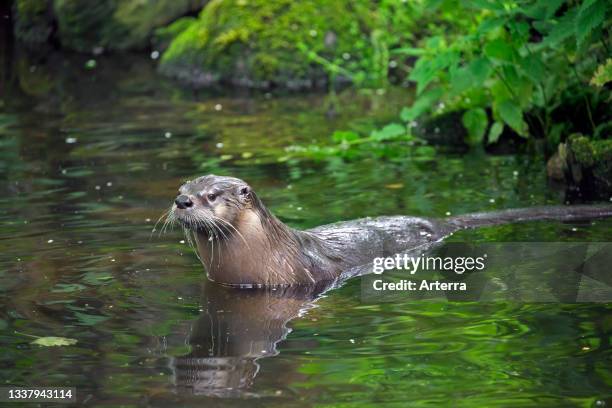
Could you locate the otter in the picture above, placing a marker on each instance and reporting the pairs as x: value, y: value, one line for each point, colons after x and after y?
x: 241, y: 243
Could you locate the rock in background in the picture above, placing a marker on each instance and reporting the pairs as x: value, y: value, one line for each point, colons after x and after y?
x: 94, y: 26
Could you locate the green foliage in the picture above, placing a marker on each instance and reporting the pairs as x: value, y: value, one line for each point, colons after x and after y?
x: 290, y: 43
x: 518, y: 60
x: 603, y: 74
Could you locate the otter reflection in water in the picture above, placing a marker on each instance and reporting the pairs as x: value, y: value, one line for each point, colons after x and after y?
x: 236, y: 329
x: 241, y: 243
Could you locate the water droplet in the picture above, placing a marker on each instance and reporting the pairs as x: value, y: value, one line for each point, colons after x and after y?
x: 491, y: 200
x: 109, y: 183
x: 71, y: 140
x: 98, y: 187
x: 148, y: 220
x: 219, y: 145
x: 168, y: 135
x: 313, y: 33
x: 182, y: 241
x: 154, y: 54
x: 50, y: 241
x: 352, y: 341
x: 448, y: 213
x: 218, y: 107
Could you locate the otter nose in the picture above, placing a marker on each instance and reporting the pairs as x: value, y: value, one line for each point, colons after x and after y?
x: 183, y: 201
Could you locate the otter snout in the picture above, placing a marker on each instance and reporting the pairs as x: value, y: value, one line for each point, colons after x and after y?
x: 183, y: 201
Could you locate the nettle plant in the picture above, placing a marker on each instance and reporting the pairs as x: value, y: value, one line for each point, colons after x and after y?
x: 516, y: 64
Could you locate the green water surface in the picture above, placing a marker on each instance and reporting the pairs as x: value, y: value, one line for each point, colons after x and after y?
x: 90, y: 159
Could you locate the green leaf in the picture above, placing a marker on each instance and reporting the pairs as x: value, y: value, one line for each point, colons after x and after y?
x: 491, y: 24
x: 500, y: 50
x: 54, y: 341
x: 391, y: 131
x: 603, y: 74
x: 552, y: 6
x: 485, y: 4
x: 426, y: 70
x: 460, y: 80
x: 496, y: 130
x: 512, y: 115
x: 414, y: 52
x: 590, y: 16
x: 476, y: 122
x: 480, y: 68
x: 561, y: 30
x: 543, y: 9
x: 340, y: 136
x: 421, y: 105
x: 533, y: 68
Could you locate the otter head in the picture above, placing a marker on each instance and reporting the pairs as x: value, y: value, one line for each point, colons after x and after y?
x: 211, y: 204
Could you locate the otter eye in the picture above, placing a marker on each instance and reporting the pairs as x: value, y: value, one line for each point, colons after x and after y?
x: 244, y: 190
x: 211, y: 197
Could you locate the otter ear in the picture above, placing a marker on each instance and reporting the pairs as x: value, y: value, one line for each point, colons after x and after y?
x: 244, y: 191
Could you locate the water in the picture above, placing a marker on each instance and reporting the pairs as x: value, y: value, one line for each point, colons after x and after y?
x: 91, y: 158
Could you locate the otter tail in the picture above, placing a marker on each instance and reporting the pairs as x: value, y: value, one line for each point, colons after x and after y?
x: 554, y: 213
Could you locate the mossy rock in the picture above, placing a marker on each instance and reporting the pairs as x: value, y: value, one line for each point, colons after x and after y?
x: 84, y: 25
x: 260, y: 43
x: 33, y: 21
x: 589, y: 164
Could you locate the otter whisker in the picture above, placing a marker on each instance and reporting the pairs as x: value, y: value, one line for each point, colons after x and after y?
x: 165, y: 214
x: 170, y: 220
x: 215, y: 235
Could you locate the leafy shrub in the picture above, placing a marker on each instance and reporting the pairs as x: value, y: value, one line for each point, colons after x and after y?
x: 515, y: 65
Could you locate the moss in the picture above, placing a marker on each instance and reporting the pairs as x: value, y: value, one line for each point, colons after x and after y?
x: 258, y: 42
x: 582, y: 149
x: 34, y: 80
x: 142, y: 18
x: 590, y: 162
x: 33, y: 21
x: 82, y: 25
